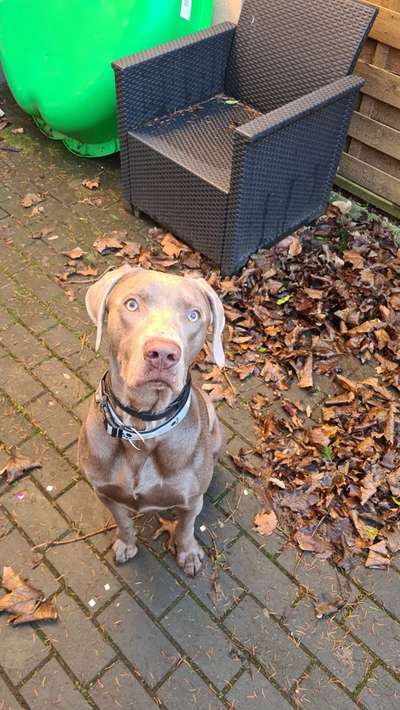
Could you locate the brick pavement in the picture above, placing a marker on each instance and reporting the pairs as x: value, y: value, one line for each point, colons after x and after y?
x: 144, y: 635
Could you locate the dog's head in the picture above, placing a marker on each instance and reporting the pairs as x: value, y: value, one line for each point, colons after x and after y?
x: 157, y: 324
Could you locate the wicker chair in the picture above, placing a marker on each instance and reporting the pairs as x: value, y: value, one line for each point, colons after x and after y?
x: 231, y: 137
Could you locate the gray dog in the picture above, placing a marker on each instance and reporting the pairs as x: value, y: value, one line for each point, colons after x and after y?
x: 150, y: 440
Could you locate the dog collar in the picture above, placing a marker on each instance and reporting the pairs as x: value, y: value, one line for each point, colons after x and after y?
x: 118, y: 430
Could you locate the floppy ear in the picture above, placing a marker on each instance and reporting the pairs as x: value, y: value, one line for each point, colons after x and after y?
x: 218, y: 320
x: 97, y: 294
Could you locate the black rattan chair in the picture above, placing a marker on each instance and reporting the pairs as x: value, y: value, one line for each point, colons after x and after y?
x: 231, y: 137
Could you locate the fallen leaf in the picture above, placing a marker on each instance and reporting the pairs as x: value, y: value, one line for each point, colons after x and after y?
x: 305, y: 375
x: 130, y: 250
x: 313, y: 543
x: 169, y: 526
x: 23, y: 601
x: 30, y: 199
x: 172, y: 247
x: 107, y: 244
x: 355, y: 259
x: 75, y: 253
x: 91, y: 183
x: 295, y: 247
x: 265, y: 523
x: 17, y: 131
x: 377, y: 556
x: 17, y: 465
x: 366, y: 327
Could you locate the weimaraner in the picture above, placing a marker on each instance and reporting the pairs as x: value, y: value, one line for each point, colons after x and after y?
x: 150, y: 440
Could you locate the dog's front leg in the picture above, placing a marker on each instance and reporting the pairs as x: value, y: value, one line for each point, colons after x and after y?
x: 189, y: 553
x: 124, y: 546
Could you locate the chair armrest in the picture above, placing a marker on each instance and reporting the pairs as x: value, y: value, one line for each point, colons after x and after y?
x: 266, y: 124
x: 283, y: 168
x: 172, y: 76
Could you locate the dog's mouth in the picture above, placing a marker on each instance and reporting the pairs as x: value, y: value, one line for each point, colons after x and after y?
x: 158, y: 381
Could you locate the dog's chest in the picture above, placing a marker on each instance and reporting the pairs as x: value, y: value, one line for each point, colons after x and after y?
x: 152, y: 491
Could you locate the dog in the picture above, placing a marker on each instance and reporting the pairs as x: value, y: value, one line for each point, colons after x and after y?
x: 151, y: 439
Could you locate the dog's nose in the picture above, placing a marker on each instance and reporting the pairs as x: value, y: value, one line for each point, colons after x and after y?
x: 162, y: 354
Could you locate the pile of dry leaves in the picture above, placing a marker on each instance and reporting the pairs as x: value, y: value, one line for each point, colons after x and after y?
x: 293, y: 313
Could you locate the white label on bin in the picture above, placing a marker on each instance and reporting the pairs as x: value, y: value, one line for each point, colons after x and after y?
x: 186, y: 9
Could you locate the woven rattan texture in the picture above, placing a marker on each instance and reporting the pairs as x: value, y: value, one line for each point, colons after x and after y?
x: 284, y: 49
x: 186, y: 136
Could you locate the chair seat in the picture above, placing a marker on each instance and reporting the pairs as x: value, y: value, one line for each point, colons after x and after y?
x: 199, y: 138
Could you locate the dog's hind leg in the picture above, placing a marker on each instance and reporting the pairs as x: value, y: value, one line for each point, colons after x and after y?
x: 189, y: 553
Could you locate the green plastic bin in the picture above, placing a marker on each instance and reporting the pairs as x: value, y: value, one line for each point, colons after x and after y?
x: 57, y: 54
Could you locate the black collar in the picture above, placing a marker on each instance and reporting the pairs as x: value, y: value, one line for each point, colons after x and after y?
x: 171, y: 411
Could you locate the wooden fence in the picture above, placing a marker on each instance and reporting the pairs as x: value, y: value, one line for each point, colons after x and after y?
x: 370, y: 167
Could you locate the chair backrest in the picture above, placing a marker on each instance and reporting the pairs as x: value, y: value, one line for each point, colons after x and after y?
x: 283, y: 49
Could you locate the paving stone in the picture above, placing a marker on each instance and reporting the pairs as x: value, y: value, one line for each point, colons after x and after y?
x: 317, y: 576
x: 242, y: 506
x: 143, y: 644
x: 61, y: 381
x: 51, y: 688
x: 78, y: 641
x: 185, y: 689
x: 335, y: 648
x: 240, y: 419
x: 222, y: 480
x: 82, y: 409
x: 56, y: 473
x: 5, y: 525
x: 23, y: 345
x: 149, y: 580
x: 6, y: 320
x: 84, y: 573
x: 14, y: 428
x: 118, y: 688
x: 7, y: 699
x: 318, y: 691
x: 93, y: 371
x: 20, y: 386
x: 384, y: 586
x: 381, y: 692
x: 20, y: 652
x: 266, y: 581
x: 218, y: 599
x: 258, y: 633
x: 33, y: 512
x: 52, y: 418
x: 62, y: 342
x: 71, y: 454
x: 87, y: 512
x: 378, y: 631
x: 218, y: 527
x: 254, y: 691
x: 17, y: 553
x: 203, y: 641
x: 35, y: 316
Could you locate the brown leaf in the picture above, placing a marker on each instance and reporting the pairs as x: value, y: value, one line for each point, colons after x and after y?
x: 295, y: 247
x: 265, y: 523
x: 24, y: 601
x: 305, y: 375
x: 172, y: 247
x: 87, y: 271
x: 107, y: 244
x: 31, y: 198
x: 45, y: 611
x: 91, y: 183
x: 313, y: 543
x: 377, y: 556
x: 17, y: 465
x: 390, y: 423
x: 130, y: 250
x: 169, y: 526
x: 322, y: 436
x: 328, y: 608
x: 355, y: 259
x: 367, y: 327
x: 17, y: 131
x: 368, y: 488
x: 74, y: 253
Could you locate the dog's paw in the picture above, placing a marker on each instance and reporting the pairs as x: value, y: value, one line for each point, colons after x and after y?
x: 190, y: 559
x: 123, y: 552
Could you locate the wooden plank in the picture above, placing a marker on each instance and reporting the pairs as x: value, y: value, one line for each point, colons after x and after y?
x: 375, y: 134
x: 391, y: 4
x: 373, y: 179
x: 367, y: 196
x: 386, y: 27
x: 379, y: 83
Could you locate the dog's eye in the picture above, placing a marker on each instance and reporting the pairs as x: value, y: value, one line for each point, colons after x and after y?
x: 194, y: 315
x: 132, y: 304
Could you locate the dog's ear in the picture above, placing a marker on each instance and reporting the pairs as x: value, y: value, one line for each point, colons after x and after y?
x: 97, y: 294
x: 218, y: 320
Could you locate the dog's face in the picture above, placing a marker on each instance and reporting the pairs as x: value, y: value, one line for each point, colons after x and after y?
x: 157, y: 324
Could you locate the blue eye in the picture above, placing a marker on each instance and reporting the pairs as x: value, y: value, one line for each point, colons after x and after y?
x: 194, y: 315
x: 132, y: 304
